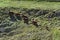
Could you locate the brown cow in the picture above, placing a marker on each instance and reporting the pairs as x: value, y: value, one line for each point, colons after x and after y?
x: 25, y: 18
x: 34, y: 22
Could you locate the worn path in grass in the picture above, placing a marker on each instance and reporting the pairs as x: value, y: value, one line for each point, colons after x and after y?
x: 30, y: 4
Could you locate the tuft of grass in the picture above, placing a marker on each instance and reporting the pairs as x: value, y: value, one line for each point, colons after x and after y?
x: 56, y: 34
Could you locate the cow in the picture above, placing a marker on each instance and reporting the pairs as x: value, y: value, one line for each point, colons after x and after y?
x: 25, y: 18
x: 18, y: 16
x: 34, y: 22
x: 11, y: 14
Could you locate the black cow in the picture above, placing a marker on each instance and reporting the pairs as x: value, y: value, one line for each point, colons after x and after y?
x: 11, y: 14
x: 18, y: 16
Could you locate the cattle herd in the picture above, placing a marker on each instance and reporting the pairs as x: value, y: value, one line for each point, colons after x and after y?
x: 22, y: 17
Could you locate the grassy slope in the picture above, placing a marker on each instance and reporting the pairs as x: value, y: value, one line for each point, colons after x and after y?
x: 27, y: 30
x: 31, y: 4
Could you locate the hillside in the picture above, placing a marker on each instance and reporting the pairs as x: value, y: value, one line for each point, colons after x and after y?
x: 47, y: 15
x: 31, y: 4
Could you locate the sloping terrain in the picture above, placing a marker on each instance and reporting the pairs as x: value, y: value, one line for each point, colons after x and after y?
x: 18, y: 30
x: 30, y: 4
x: 46, y: 13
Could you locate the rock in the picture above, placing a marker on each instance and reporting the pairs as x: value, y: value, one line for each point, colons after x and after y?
x: 42, y: 12
x: 32, y: 11
x: 57, y: 13
x: 2, y: 29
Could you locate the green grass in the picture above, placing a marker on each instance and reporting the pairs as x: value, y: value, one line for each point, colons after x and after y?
x: 31, y: 4
x: 56, y: 34
x: 23, y: 31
